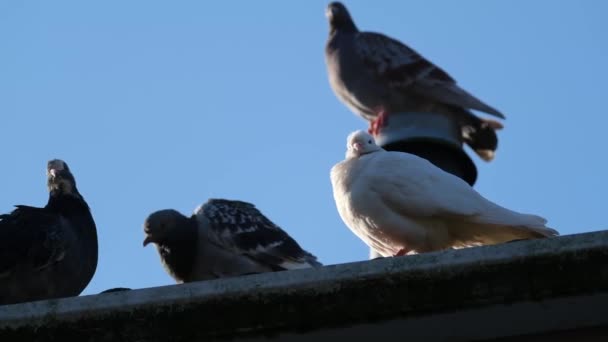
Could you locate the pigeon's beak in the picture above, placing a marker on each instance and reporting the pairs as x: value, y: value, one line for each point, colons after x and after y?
x: 357, y: 146
x: 53, y: 173
x: 148, y: 240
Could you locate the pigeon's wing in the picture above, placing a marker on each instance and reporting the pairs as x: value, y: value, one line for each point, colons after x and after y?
x: 414, y: 187
x: 401, y: 67
x: 395, y: 62
x: 242, y: 228
x: 31, y: 239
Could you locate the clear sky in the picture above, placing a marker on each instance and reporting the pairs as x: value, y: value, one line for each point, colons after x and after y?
x: 163, y: 104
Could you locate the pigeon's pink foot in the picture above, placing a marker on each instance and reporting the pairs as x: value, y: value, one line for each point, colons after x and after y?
x: 378, y: 123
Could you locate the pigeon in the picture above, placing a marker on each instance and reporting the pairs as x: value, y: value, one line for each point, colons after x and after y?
x: 115, y: 289
x: 398, y: 203
x: 48, y: 252
x: 222, y: 238
x: 375, y: 75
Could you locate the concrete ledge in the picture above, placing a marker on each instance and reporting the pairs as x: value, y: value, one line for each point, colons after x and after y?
x: 525, y: 287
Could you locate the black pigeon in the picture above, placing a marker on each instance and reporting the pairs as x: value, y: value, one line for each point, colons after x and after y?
x: 375, y: 75
x: 115, y: 289
x: 48, y: 252
x: 222, y: 238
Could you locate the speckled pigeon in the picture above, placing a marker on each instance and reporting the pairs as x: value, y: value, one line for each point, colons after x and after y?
x: 48, y: 252
x: 375, y: 75
x: 223, y: 238
x: 399, y: 203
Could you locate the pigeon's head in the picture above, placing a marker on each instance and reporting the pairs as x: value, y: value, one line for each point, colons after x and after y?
x: 338, y: 17
x: 160, y: 224
x: 359, y: 143
x: 60, y: 180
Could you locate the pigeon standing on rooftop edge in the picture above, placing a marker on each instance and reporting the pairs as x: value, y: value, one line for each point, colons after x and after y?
x: 48, y: 252
x: 375, y: 75
x: 399, y: 203
x: 222, y: 238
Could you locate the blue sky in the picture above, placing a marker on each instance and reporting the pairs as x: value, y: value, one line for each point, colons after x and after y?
x: 159, y: 104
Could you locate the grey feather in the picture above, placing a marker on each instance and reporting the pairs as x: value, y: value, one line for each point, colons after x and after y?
x: 370, y: 71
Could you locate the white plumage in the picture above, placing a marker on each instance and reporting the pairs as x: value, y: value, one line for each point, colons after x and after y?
x: 399, y: 203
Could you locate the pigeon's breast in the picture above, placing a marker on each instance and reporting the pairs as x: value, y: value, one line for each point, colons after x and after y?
x: 351, y: 81
x: 359, y: 207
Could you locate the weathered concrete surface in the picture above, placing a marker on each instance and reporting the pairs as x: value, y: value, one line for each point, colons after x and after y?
x: 525, y: 287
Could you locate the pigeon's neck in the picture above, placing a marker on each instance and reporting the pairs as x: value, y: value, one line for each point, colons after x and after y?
x: 69, y: 205
x: 178, y: 251
x: 343, y: 27
x: 76, y: 210
x: 59, y: 197
x: 356, y: 155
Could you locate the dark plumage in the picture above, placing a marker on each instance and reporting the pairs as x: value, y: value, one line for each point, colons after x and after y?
x: 48, y: 252
x: 222, y: 238
x: 375, y: 75
x: 115, y: 289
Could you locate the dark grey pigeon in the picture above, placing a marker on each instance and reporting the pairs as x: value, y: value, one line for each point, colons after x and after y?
x: 115, y: 289
x: 223, y: 238
x: 48, y: 252
x: 375, y: 75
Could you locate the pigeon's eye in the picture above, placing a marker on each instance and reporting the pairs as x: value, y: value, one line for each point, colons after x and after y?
x: 369, y: 141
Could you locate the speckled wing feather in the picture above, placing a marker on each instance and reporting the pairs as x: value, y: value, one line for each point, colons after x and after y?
x: 241, y: 227
x: 31, y: 239
x: 403, y: 68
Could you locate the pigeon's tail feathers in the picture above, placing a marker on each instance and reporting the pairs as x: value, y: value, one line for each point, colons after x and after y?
x: 489, y: 234
x: 480, y: 135
x: 295, y: 265
x: 535, y: 228
x: 503, y: 226
x: 496, y: 214
x: 451, y: 94
x: 305, y: 259
x: 314, y: 262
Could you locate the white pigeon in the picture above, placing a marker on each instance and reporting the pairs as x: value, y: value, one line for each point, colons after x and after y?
x: 399, y: 203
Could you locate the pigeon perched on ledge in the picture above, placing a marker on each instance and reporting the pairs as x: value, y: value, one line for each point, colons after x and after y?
x: 222, y: 238
x: 115, y: 289
x: 399, y: 203
x: 375, y: 75
x: 48, y: 252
